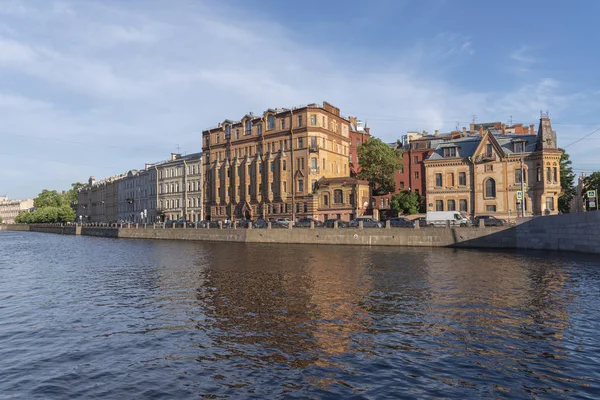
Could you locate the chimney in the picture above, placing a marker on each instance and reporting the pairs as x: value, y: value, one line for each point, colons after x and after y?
x: 480, y: 130
x: 532, y: 129
x: 174, y: 156
x: 437, y: 133
x: 503, y: 129
x: 464, y: 131
x: 352, y: 120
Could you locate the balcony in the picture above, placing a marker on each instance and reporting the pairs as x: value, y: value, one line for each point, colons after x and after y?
x: 486, y: 157
x: 314, y: 170
x: 313, y: 148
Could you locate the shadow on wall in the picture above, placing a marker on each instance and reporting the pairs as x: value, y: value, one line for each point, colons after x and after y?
x: 579, y: 232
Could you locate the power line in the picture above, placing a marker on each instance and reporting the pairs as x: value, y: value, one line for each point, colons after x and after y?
x: 581, y: 138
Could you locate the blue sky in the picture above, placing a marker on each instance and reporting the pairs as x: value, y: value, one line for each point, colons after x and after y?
x: 100, y: 87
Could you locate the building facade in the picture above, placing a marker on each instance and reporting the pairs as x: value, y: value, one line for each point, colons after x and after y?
x: 9, y: 209
x: 269, y: 165
x: 496, y: 172
x: 97, y: 201
x: 179, y: 188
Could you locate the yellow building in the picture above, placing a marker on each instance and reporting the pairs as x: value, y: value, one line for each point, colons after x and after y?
x: 269, y: 165
x: 488, y: 173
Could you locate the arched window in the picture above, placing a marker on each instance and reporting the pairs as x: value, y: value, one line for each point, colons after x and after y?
x: 338, y: 196
x: 270, y: 122
x: 490, y: 188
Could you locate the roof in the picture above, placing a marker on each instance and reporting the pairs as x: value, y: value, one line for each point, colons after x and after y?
x: 468, y: 145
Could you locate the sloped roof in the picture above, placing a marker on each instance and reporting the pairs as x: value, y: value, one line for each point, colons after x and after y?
x: 467, y: 145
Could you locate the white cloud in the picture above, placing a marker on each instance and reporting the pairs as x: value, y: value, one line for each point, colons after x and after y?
x: 117, y: 87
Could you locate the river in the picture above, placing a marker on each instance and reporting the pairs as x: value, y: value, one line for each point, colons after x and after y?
x: 84, y: 317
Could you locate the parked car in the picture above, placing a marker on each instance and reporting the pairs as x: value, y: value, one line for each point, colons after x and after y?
x: 341, y: 224
x: 180, y: 223
x: 441, y: 218
x: 305, y: 223
x: 367, y: 223
x: 488, y: 220
x: 283, y: 222
x: 259, y: 223
x: 401, y: 222
x: 422, y: 221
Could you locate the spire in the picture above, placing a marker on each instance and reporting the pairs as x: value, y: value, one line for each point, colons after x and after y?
x: 546, y: 137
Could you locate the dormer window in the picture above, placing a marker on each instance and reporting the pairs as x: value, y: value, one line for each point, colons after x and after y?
x: 519, y: 147
x: 248, y: 128
x: 227, y: 132
x: 450, y: 152
x: 259, y: 129
x: 270, y: 122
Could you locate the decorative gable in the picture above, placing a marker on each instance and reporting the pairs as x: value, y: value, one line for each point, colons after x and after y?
x: 488, y: 149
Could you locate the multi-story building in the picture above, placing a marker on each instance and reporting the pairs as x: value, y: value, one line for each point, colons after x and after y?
x: 136, y: 194
x: 9, y: 209
x: 269, y: 165
x: 359, y: 133
x: 179, y: 188
x: 97, y: 201
x: 496, y: 172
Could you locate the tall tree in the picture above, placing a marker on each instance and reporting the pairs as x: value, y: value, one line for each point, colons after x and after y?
x: 378, y: 163
x: 406, y: 202
x: 567, y: 182
x: 70, y: 196
x: 591, y: 182
x: 48, y: 198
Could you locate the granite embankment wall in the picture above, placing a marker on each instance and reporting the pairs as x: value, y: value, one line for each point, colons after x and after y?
x: 568, y: 232
x: 15, y: 227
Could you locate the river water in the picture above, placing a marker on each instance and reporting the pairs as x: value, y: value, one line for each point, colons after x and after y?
x: 84, y: 317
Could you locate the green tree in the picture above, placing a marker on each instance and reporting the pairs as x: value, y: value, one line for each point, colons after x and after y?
x: 66, y: 214
x: 406, y: 202
x: 70, y: 196
x: 567, y: 182
x: 48, y: 198
x: 591, y: 182
x: 1, y: 220
x: 23, y: 217
x: 378, y: 163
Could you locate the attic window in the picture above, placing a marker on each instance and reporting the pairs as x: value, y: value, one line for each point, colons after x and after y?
x: 450, y: 152
x: 519, y: 147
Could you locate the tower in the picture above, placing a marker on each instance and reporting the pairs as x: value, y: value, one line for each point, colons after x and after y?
x: 546, y: 137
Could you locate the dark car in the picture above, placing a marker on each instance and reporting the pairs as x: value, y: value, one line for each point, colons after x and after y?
x: 488, y: 220
x: 367, y: 223
x: 401, y: 222
x: 180, y: 223
x: 421, y: 221
x: 259, y: 223
x: 341, y: 224
x: 305, y: 223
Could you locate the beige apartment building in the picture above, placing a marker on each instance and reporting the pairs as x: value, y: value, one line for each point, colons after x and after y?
x: 269, y: 165
x: 9, y: 209
x: 495, y: 172
x: 179, y: 188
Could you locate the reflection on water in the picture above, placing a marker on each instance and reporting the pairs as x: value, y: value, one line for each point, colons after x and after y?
x: 154, y: 319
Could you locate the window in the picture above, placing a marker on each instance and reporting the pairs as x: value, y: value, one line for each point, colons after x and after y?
x: 519, y: 147
x: 270, y: 122
x: 539, y: 174
x: 548, y: 174
x: 490, y: 188
x: 284, y: 165
x: 313, y: 119
x: 416, y: 175
x: 258, y: 129
x: 439, y: 205
x: 450, y: 152
x: 300, y: 142
x: 313, y: 163
x: 325, y: 200
x: 401, y: 185
x: 438, y: 180
x: 305, y: 207
x: 301, y: 185
x: 450, y: 180
x: 338, y: 196
x: 350, y: 158
x: 284, y: 187
x: 488, y: 150
x: 490, y: 208
x: 488, y: 168
x: 462, y: 204
x: 519, y: 176
x: 415, y: 159
x: 272, y: 167
x: 282, y: 123
x: 554, y: 175
x: 462, y: 179
x: 451, y: 205
x: 207, y: 140
x: 227, y: 132
x: 299, y: 120
x: 401, y: 169
x: 550, y: 203
x: 248, y: 130
x: 237, y: 134
x: 218, y: 138
x: 357, y: 142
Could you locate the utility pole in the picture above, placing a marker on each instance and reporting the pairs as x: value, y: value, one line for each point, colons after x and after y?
x: 522, y: 189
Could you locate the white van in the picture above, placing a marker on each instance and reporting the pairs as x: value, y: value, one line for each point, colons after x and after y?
x: 440, y: 218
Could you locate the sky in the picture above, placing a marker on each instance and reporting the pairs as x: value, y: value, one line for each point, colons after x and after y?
x: 95, y: 88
